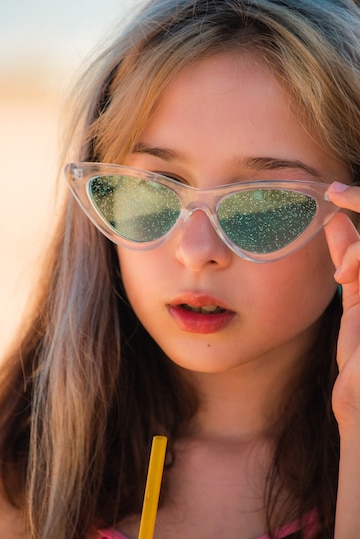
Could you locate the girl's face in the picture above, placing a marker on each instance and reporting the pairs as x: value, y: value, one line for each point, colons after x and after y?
x: 226, y: 119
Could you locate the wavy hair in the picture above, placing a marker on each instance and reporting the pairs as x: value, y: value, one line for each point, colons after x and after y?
x: 85, y: 387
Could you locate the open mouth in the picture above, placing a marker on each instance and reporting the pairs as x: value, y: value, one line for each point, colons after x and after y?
x: 205, y: 309
x: 201, y: 314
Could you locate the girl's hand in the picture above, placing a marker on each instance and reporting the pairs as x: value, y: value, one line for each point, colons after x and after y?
x: 344, y: 245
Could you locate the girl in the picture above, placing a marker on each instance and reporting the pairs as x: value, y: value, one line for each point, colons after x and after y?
x: 215, y: 143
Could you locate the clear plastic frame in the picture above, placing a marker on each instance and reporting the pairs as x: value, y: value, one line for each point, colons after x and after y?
x: 261, y: 221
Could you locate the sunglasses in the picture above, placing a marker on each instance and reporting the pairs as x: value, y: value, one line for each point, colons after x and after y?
x: 261, y: 220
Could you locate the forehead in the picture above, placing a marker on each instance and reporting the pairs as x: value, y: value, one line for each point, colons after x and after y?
x: 221, y: 75
x: 226, y: 86
x: 220, y: 97
x: 228, y: 107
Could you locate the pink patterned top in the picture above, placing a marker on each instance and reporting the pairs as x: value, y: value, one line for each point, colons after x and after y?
x: 308, y: 528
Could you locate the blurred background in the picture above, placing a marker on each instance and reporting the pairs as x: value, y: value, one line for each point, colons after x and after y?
x: 43, y: 46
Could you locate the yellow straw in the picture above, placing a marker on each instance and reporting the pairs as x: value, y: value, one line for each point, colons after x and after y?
x: 152, y: 489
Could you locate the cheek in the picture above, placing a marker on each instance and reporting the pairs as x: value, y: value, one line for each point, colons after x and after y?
x: 305, y: 280
x: 131, y: 272
x: 140, y: 275
x: 317, y: 267
x: 286, y: 298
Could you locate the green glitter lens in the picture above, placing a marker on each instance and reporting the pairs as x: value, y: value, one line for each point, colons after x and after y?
x: 137, y: 209
x: 265, y: 220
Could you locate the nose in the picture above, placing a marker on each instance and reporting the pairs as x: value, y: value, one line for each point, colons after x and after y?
x: 200, y: 246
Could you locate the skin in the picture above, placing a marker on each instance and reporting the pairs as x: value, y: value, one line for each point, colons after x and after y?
x: 214, y: 116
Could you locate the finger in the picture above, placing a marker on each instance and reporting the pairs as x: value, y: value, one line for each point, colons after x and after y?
x: 340, y: 234
x: 345, y: 196
x: 348, y: 271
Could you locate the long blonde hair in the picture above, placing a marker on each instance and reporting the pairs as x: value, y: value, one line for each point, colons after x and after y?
x: 86, y: 388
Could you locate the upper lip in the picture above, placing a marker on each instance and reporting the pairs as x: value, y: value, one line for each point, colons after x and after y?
x: 195, y: 299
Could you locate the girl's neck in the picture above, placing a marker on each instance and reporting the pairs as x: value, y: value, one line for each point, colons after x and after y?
x: 244, y: 404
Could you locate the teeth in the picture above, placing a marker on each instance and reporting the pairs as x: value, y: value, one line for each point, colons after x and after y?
x: 205, y: 309
x: 210, y: 308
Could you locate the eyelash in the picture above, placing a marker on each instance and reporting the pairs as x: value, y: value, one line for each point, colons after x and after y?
x: 171, y: 176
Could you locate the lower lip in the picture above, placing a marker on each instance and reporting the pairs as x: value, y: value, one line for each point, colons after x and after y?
x: 198, y: 322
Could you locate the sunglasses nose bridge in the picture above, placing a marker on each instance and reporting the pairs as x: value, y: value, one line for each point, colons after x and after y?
x: 197, y: 204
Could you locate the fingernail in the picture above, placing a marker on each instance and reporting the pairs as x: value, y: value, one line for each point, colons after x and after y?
x: 338, y: 273
x: 338, y: 187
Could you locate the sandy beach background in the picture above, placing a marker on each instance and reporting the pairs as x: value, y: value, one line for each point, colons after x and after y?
x: 28, y: 141
x: 42, y: 46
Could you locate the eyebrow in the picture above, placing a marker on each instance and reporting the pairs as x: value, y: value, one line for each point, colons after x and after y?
x: 273, y: 163
x: 252, y: 163
x: 163, y: 153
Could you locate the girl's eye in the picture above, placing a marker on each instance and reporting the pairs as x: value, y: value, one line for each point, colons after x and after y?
x: 172, y: 176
